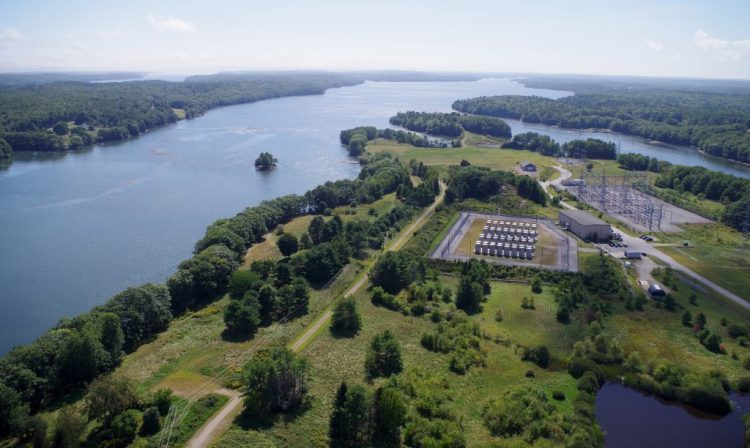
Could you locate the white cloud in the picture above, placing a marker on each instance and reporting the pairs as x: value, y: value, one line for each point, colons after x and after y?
x: 169, y: 23
x: 736, y: 50
x: 11, y: 34
x: 654, y: 45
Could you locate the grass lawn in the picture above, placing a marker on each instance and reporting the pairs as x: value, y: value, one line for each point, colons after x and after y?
x: 716, y: 252
x: 494, y: 158
x: 335, y: 359
x: 659, y: 335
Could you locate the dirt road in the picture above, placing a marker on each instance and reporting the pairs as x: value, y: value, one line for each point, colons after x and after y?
x: 221, y: 421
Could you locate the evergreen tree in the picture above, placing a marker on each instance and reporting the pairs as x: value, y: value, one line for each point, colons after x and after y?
x: 384, y: 355
x: 389, y: 417
x: 346, y: 320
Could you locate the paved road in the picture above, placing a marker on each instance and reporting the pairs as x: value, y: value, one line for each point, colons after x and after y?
x: 639, y: 245
x: 221, y: 421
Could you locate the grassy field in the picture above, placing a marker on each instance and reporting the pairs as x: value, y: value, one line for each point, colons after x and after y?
x: 335, y: 359
x: 495, y: 158
x: 714, y: 251
x: 659, y: 335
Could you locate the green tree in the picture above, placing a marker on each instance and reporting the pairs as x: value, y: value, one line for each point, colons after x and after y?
x: 163, y: 400
x: 346, y: 320
x: 125, y: 427
x: 393, y: 271
x: 470, y: 295
x: 315, y: 229
x: 350, y: 423
x: 265, y: 161
x: 275, y: 380
x: 240, y: 282
x: 267, y: 300
x: 384, y: 355
x: 304, y: 241
x: 69, y: 427
x: 109, y: 396
x: 143, y: 312
x: 243, y: 316
x: 288, y: 244
x: 389, y: 417
x: 713, y: 343
x: 224, y: 236
x: 337, y: 423
x: 700, y: 321
x: 112, y: 337
x: 687, y: 318
x: 536, y: 285
x: 151, y: 421
x: 81, y: 358
x: 13, y: 412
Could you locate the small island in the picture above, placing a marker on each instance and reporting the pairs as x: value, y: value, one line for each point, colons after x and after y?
x: 265, y: 161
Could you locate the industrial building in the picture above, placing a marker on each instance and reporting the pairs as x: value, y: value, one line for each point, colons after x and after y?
x: 585, y: 225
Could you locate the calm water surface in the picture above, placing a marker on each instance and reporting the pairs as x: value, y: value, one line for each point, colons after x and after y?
x: 79, y: 227
x: 632, y: 419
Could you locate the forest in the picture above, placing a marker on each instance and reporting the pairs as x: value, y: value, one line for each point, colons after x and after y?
x: 67, y: 115
x: 450, y: 124
x: 591, y: 148
x: 716, y: 123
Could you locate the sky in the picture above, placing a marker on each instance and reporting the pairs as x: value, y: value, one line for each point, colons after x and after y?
x: 651, y: 38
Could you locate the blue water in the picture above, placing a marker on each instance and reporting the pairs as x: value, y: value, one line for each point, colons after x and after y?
x: 632, y: 419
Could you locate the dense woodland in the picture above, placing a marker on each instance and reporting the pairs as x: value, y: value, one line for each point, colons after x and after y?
x: 450, y: 124
x: 591, y: 148
x: 67, y: 115
x: 716, y: 123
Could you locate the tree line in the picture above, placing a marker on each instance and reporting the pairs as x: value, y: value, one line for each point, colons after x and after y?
x: 356, y: 139
x: 67, y: 115
x: 716, y: 123
x: 639, y: 162
x: 450, y: 124
x: 79, y: 350
x: 730, y: 190
x: 591, y: 148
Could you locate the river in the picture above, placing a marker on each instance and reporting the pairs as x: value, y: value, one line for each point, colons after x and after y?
x: 79, y: 227
x: 632, y: 419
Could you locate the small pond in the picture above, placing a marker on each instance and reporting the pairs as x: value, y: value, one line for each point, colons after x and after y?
x: 633, y: 419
